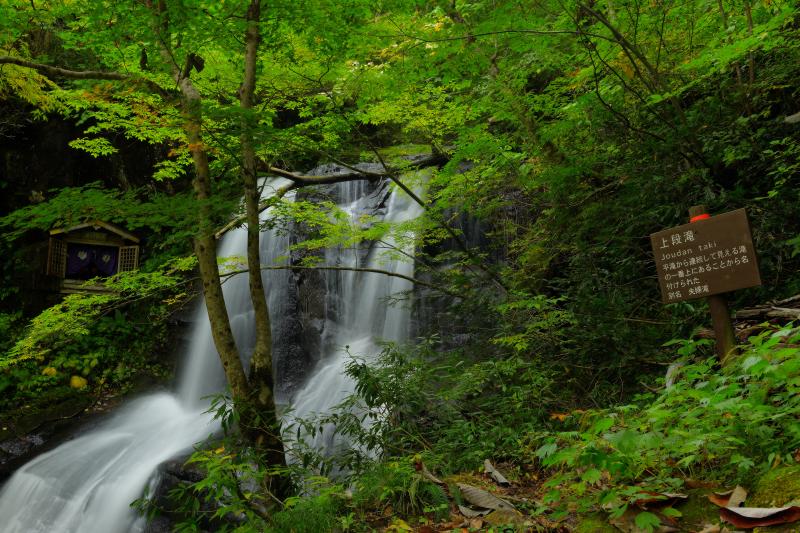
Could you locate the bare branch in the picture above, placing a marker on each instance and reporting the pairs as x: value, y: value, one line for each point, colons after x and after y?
x: 302, y: 180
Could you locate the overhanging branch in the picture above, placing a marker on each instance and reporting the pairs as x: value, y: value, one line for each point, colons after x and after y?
x: 355, y: 172
x: 349, y: 269
x: 305, y: 180
x: 55, y: 72
x: 266, y: 204
x: 49, y: 70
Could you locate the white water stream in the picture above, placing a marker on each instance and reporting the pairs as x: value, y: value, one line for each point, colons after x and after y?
x: 87, y: 484
x: 362, y: 316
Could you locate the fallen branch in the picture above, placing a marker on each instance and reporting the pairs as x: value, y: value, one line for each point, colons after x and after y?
x: 786, y: 308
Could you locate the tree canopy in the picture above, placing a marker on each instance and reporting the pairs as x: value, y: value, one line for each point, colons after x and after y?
x: 551, y: 139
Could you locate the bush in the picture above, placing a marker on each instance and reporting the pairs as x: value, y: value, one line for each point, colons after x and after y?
x: 725, y: 424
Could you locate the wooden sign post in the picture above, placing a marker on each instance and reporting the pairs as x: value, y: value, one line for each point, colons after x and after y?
x: 705, y: 259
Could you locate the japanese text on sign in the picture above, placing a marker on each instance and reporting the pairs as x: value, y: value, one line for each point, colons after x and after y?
x: 707, y: 257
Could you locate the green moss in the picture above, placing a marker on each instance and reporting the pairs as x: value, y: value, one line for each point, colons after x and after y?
x: 54, y: 404
x: 776, y: 488
x: 787, y: 528
x: 595, y: 523
x: 698, y: 511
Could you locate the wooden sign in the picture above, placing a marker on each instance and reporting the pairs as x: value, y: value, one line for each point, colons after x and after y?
x: 706, y: 257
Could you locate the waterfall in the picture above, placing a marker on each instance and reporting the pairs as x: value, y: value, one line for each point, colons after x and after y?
x: 359, y: 316
x: 87, y: 484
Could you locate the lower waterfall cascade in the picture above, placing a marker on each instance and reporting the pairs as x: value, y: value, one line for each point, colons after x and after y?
x: 88, y: 484
x: 362, y: 316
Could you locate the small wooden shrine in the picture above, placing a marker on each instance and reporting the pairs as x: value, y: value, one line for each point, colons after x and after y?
x: 94, y: 249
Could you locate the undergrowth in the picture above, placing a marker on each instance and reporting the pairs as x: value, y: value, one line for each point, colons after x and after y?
x: 723, y: 425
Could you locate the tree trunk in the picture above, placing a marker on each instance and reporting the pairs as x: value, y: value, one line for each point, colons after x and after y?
x: 206, y: 249
x: 261, y: 364
x: 265, y: 433
x: 205, y: 245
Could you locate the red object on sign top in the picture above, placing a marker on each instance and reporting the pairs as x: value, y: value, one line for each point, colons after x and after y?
x: 699, y: 217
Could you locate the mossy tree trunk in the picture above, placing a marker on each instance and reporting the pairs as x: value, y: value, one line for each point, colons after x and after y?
x: 263, y: 423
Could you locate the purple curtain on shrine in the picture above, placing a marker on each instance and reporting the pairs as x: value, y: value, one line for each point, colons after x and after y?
x: 86, y: 261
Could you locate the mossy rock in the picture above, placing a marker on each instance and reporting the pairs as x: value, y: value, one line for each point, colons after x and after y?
x: 594, y: 523
x: 697, y: 511
x: 777, y: 488
x: 54, y: 406
x: 506, y: 517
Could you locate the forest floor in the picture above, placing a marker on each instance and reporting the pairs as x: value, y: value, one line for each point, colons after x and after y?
x: 701, y: 508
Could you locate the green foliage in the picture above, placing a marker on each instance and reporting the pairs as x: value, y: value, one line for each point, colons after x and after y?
x: 572, y: 129
x: 95, y: 147
x: 533, y: 323
x: 9, y: 326
x: 232, y: 494
x: 222, y: 490
x: 396, y: 485
x: 235, y: 477
x: 108, y: 339
x: 460, y: 410
x: 320, y: 511
x: 726, y: 424
x: 169, y: 216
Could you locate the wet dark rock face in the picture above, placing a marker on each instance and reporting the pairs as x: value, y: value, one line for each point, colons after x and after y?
x: 35, y: 157
x: 19, y: 446
x: 290, y: 359
x: 300, y: 336
x: 433, y: 312
x: 172, y: 475
x: 24, y: 438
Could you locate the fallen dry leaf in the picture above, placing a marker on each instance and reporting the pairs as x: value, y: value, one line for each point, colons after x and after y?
x: 503, y: 517
x: 499, y: 478
x: 731, y: 498
x: 659, y: 500
x: 472, y: 513
x: 750, y: 517
x: 430, y: 477
x: 481, y: 498
x: 475, y: 523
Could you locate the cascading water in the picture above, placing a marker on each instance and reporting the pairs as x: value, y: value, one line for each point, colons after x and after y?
x: 89, y: 483
x: 359, y: 316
